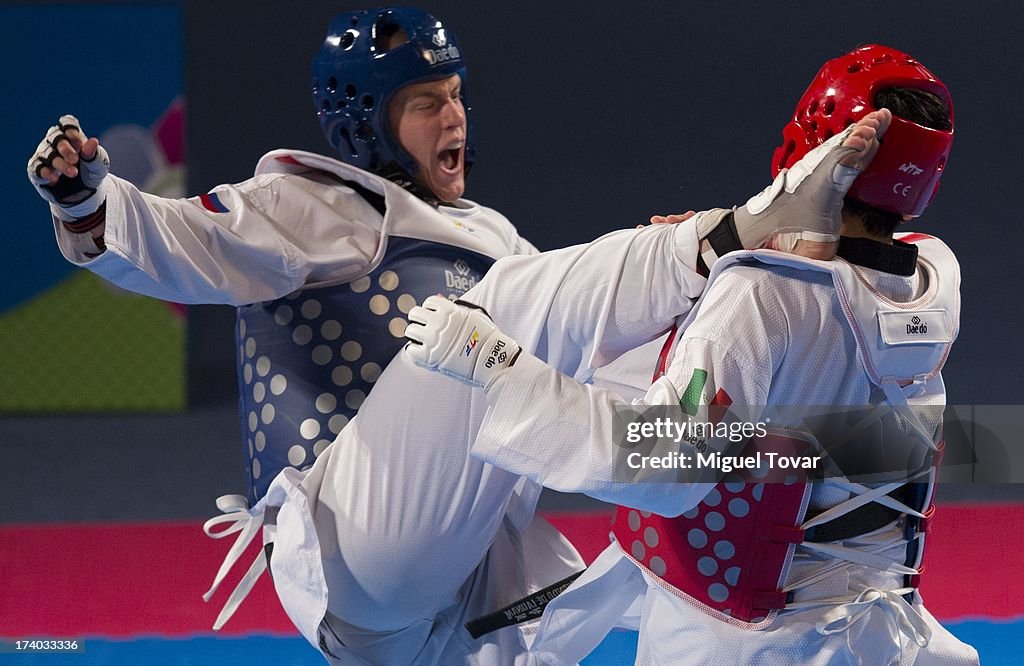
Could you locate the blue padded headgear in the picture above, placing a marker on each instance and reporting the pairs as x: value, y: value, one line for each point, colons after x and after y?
x: 355, y: 78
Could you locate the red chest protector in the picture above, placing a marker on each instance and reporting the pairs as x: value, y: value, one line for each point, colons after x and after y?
x: 730, y: 555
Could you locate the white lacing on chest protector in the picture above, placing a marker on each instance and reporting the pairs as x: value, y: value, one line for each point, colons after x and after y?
x: 247, y: 522
x: 847, y: 610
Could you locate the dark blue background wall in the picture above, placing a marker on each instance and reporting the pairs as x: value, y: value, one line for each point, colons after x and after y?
x: 593, y: 115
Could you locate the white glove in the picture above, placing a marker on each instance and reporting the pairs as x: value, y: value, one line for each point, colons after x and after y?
x: 60, y: 154
x: 459, y: 339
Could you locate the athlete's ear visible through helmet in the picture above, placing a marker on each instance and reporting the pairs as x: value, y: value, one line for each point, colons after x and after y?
x: 366, y: 57
x: 904, y: 176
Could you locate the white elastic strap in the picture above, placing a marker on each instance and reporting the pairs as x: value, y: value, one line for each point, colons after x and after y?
x: 898, y: 398
x: 248, y: 522
x: 862, y: 557
x: 785, y: 241
x: 839, y: 554
x: 822, y: 574
x: 903, y: 616
x: 864, y: 495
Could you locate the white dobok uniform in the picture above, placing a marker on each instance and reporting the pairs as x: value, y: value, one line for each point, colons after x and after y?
x: 395, y: 536
x: 774, y: 331
x: 320, y: 277
x: 294, y: 224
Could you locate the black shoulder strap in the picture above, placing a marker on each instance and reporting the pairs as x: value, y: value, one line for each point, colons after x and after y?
x: 371, y: 197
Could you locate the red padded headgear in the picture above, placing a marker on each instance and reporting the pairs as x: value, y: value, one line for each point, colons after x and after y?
x: 904, y: 176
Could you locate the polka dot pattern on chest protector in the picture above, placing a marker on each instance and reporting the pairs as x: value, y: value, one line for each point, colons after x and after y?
x: 729, y: 551
x: 308, y: 361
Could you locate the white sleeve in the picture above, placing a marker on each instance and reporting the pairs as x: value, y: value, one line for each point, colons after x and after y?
x: 581, y: 307
x: 561, y: 434
x: 254, y: 241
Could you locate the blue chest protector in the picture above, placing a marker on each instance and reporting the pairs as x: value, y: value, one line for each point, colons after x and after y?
x: 307, y: 361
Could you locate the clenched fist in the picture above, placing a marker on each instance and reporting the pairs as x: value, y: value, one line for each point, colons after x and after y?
x: 68, y: 168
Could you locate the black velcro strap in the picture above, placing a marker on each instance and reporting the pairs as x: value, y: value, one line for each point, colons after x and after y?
x: 55, y: 141
x: 528, y: 608
x: 724, y: 238
x: 371, y: 197
x: 702, y: 267
x: 70, y: 191
x: 862, y: 520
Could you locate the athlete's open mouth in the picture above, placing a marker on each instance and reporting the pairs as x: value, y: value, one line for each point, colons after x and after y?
x: 451, y: 157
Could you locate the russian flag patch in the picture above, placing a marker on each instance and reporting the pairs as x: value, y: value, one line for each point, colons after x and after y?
x: 212, y: 202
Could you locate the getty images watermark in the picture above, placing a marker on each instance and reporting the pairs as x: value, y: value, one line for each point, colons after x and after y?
x: 697, y: 456
x: 864, y: 444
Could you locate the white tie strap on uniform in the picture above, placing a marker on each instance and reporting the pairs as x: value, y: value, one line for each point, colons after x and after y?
x: 902, y: 614
x: 867, y: 553
x: 248, y: 522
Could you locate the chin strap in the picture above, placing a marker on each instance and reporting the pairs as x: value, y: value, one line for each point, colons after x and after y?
x: 397, y: 175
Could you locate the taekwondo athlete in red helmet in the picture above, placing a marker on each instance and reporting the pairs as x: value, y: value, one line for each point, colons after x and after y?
x: 761, y: 566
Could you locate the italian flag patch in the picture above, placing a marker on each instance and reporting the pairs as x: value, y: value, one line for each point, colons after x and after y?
x: 695, y: 398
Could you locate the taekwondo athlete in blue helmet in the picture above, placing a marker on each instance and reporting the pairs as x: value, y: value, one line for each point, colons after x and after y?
x: 323, y: 258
